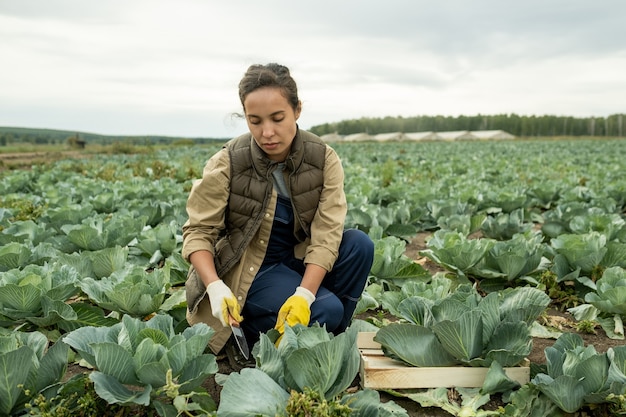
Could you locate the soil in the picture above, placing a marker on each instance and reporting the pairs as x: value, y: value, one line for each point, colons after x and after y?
x: 25, y: 160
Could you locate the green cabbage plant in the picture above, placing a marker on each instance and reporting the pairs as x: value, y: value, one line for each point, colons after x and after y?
x: 392, y: 266
x: 37, y: 294
x: 437, y: 288
x: 581, y: 251
x: 14, y: 255
x: 60, y: 214
x: 513, y: 259
x: 455, y: 252
x: 608, y: 224
x: 26, y: 231
x: 504, y: 226
x: 607, y: 303
x: 577, y: 375
x: 464, y: 328
x: 307, y: 359
x: 28, y: 366
x: 131, y: 291
x: 99, y: 263
x: 506, y: 199
x: 99, y: 232
x: 136, y: 361
x: 610, y: 294
x: 157, y: 243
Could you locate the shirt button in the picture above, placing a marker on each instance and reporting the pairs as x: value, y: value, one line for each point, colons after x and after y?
x: 267, y: 215
x: 240, y: 298
x: 262, y: 242
x: 251, y: 268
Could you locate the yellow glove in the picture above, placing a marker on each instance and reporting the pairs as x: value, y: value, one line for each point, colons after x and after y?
x: 223, y: 302
x: 297, y: 309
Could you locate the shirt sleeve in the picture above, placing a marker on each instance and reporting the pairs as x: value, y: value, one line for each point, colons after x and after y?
x: 328, y: 223
x: 206, y: 206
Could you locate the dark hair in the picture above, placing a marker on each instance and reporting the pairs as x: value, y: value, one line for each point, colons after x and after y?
x: 270, y: 75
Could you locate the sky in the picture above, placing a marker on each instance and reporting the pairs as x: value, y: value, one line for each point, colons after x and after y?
x: 165, y: 67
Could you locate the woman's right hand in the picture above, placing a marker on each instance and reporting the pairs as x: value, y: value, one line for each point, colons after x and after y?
x: 223, y: 302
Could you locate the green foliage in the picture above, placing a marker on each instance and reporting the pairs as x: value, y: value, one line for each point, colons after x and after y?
x: 120, y: 215
x: 310, y: 403
x: 306, y: 375
x: 133, y: 358
x: 577, y: 375
x: 504, y: 226
x: 391, y: 266
x: 27, y: 367
x: 37, y: 294
x: 455, y: 251
x: 520, y: 258
x: 132, y: 291
x: 519, y: 125
x: 586, y: 326
x: 464, y: 328
x: 99, y: 233
x: 22, y: 208
x: 439, y: 287
x: 77, y: 398
x: 562, y: 294
x: 307, y: 357
x: 610, y: 294
x: 471, y: 401
x: 311, y: 357
x: 584, y: 252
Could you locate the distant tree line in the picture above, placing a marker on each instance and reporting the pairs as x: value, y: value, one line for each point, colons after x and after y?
x: 523, y: 126
x: 17, y: 136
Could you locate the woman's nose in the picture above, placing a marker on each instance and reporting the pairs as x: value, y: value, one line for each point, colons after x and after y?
x: 268, y: 130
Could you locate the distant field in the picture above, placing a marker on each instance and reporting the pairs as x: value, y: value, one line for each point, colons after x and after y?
x: 103, y: 226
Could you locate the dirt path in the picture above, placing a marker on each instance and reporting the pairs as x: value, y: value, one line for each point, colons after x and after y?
x: 25, y: 160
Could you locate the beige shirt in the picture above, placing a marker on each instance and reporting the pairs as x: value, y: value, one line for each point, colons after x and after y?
x: 206, y: 207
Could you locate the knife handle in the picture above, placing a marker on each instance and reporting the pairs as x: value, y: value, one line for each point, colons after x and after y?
x: 232, y: 321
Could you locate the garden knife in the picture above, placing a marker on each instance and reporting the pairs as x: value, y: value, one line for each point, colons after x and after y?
x: 240, y: 338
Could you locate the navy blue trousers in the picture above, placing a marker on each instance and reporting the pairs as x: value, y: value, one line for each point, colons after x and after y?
x: 336, y: 299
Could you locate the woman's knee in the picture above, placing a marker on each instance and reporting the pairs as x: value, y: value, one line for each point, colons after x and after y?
x: 358, y: 241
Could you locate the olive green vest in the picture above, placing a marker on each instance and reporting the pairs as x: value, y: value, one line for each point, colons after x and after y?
x: 251, y: 189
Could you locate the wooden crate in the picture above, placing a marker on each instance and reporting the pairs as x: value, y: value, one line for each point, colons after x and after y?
x: 380, y: 372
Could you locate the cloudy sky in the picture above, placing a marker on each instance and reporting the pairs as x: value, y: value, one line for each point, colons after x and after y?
x: 165, y: 67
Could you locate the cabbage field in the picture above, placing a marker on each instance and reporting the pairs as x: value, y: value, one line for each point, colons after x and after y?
x: 91, y: 279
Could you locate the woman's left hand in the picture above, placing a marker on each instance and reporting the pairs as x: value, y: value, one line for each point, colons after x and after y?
x: 296, y: 310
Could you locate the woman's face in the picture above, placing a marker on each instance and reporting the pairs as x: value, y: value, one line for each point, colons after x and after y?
x: 272, y: 121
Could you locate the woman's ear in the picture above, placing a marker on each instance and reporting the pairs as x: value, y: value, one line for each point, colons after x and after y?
x: 298, y: 110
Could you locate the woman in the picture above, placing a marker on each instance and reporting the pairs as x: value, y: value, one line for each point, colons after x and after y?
x: 265, y: 235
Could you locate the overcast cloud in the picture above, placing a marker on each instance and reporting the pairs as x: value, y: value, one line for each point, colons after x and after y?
x: 165, y: 67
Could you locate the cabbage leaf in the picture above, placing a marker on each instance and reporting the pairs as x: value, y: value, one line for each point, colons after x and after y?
x: 133, y: 357
x: 464, y: 328
x: 131, y: 291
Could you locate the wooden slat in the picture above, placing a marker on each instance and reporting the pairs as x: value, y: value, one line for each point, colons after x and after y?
x: 365, y: 340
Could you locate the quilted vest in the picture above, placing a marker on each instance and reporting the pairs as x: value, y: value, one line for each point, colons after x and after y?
x: 251, y: 189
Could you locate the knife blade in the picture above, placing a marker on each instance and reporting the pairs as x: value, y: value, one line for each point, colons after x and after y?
x: 240, y: 338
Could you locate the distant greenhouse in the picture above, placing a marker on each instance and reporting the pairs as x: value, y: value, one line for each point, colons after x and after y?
x: 393, y: 136
x: 456, y: 135
x: 422, y: 136
x: 492, y: 134
x: 416, y: 136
